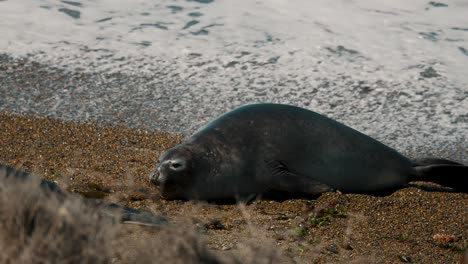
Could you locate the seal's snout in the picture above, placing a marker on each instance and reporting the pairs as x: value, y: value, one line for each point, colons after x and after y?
x: 171, y: 175
x: 154, y: 176
x: 166, y: 168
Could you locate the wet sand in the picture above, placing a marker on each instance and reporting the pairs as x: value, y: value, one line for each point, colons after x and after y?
x: 411, y: 225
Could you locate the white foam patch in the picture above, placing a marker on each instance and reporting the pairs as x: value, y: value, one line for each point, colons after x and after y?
x: 394, y: 35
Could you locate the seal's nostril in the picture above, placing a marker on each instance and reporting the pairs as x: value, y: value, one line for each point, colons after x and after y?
x: 154, y: 177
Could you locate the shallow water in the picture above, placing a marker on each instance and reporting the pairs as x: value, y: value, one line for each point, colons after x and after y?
x: 397, y: 71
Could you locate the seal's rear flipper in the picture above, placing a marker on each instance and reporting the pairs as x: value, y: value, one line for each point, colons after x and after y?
x: 452, y: 175
x: 433, y: 161
x: 288, y: 181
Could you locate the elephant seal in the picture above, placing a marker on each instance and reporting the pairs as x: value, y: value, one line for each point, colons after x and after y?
x: 263, y: 148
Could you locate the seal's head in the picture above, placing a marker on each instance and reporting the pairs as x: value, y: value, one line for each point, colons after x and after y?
x: 203, y: 168
x: 174, y: 172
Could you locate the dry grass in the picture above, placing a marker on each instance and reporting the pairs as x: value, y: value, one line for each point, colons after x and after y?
x: 38, y: 226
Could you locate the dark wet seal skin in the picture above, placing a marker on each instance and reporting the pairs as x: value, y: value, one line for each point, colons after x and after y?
x: 266, y: 149
x: 114, y: 211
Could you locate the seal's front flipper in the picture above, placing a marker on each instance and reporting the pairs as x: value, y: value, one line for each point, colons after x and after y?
x: 289, y: 181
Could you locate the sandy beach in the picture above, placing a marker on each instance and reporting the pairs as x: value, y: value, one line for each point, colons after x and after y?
x: 411, y: 225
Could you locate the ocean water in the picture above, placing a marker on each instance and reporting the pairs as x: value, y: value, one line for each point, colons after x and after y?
x: 397, y: 70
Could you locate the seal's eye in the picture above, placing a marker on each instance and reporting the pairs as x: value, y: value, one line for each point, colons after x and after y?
x: 176, y: 165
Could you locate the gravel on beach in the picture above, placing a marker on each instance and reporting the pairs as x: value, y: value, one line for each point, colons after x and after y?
x: 411, y: 225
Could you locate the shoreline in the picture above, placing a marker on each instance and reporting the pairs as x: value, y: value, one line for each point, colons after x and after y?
x: 417, y: 117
